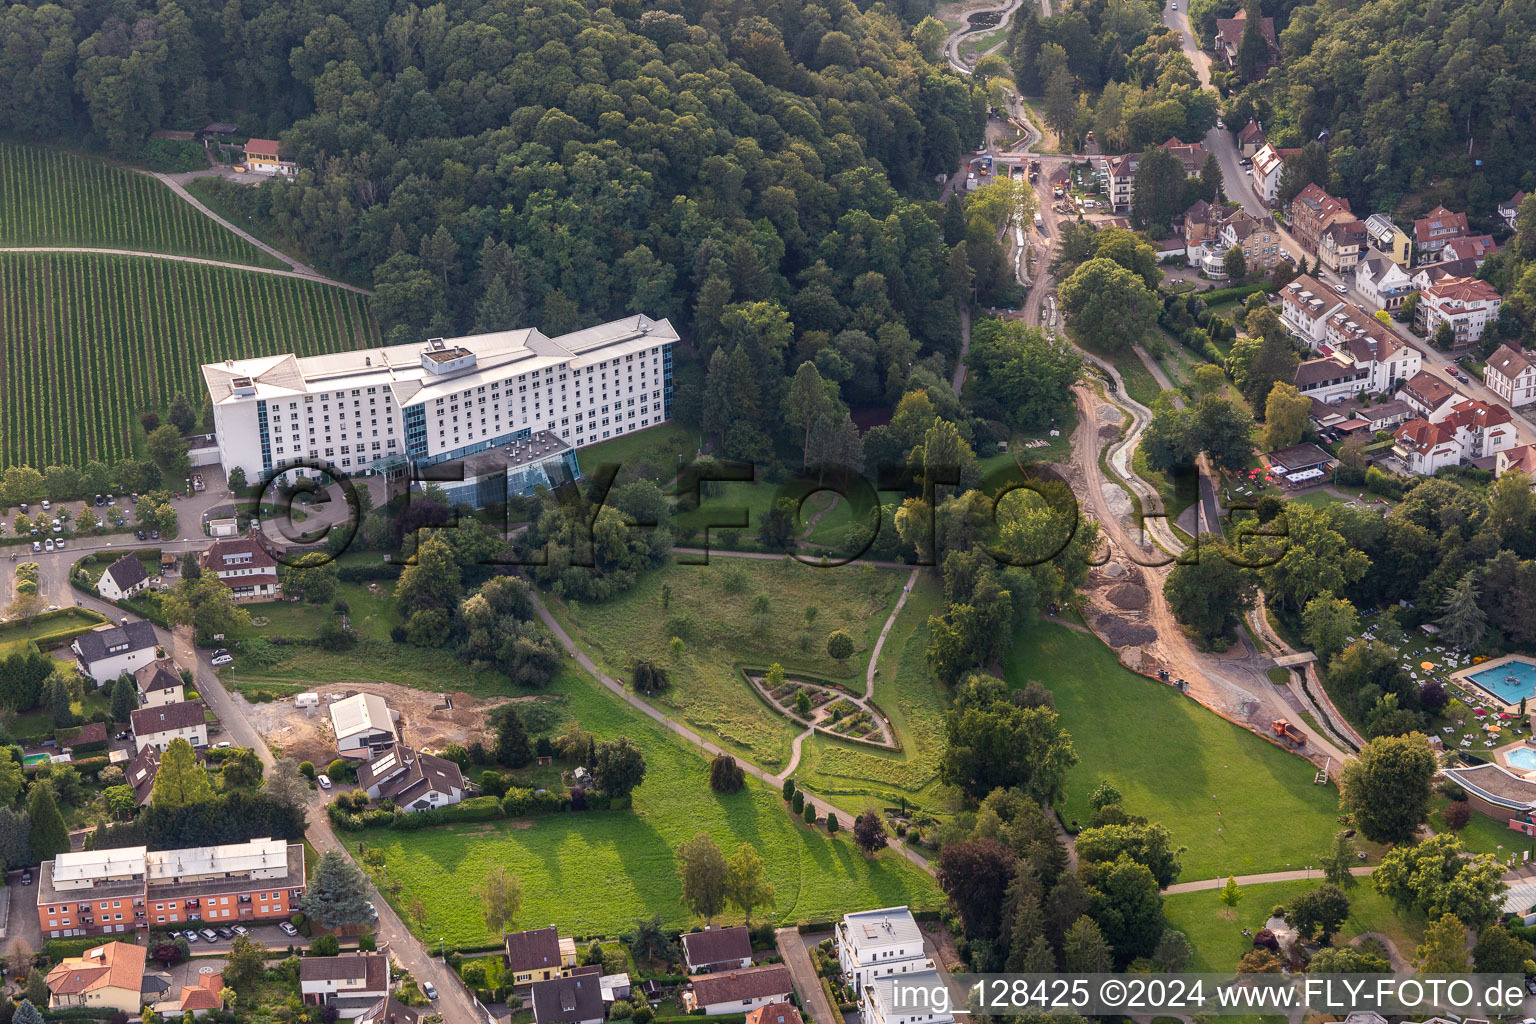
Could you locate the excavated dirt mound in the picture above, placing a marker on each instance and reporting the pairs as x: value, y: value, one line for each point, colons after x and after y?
x: 1114, y: 570
x: 1120, y: 633
x: 1129, y: 596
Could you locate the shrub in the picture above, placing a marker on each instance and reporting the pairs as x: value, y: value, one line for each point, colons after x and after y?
x: 325, y: 945
x: 798, y: 803
x: 810, y: 814
x: 725, y: 775
x: 789, y: 789
x: 1457, y: 814
x: 831, y: 822
x: 307, y: 770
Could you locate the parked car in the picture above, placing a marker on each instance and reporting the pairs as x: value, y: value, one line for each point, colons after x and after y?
x: 429, y: 989
x: 47, y: 544
x: 47, y: 505
x: 287, y: 929
x: 189, y: 935
x: 154, y: 534
x: 240, y: 929
x: 58, y: 545
x: 26, y: 878
x: 324, y: 780
x: 222, y: 744
x: 140, y: 535
x: 209, y: 935
x: 221, y: 657
x: 36, y: 547
x: 24, y: 507
x: 101, y: 499
x: 225, y: 933
x: 123, y: 735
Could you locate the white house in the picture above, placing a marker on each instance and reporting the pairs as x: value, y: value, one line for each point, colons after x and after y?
x: 1465, y: 303
x: 1510, y: 375
x: 1360, y: 355
x: 122, y: 579
x: 1429, y: 396
x: 1267, y: 165
x: 1383, y: 282
x: 1511, y: 209
x: 351, y: 978
x: 413, y: 781
x: 1304, y: 303
x: 1522, y: 458
x: 1471, y: 430
x: 157, y: 727
x: 364, y: 724
x: 159, y: 683
x: 917, y: 1003
x: 717, y: 949
x: 874, y: 943
x: 110, y: 651
x: 736, y: 991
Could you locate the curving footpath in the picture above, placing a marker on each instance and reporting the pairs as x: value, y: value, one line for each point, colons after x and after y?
x: 672, y: 725
x: 304, y: 275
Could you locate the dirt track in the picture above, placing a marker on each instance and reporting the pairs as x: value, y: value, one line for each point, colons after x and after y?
x: 305, y: 733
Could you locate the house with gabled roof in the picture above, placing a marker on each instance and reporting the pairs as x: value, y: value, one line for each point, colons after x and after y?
x: 412, y: 781
x: 738, y: 991
x: 351, y: 979
x: 110, y: 651
x: 574, y: 1000
x: 1510, y: 209
x: 123, y: 579
x: 197, y: 999
x: 1251, y: 138
x: 538, y: 954
x: 1229, y: 38
x: 158, y: 726
x: 243, y: 565
x: 1434, y: 229
x: 159, y: 683
x: 1429, y: 396
x: 1465, y: 303
x: 1471, y: 430
x: 363, y: 725
x: 1382, y: 280
x: 1313, y: 211
x: 717, y: 949
x: 1511, y: 374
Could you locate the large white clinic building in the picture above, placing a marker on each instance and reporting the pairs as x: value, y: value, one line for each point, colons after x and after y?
x: 509, y: 406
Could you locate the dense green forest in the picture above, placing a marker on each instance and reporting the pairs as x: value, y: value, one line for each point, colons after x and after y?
x: 763, y: 173
x: 1425, y: 102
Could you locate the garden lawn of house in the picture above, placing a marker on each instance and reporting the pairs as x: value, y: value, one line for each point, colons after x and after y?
x: 38, y: 723
x: 597, y: 872
x: 1218, y: 941
x: 913, y: 701
x: 1240, y: 804
x: 68, y: 618
x: 373, y: 613
x: 720, y: 632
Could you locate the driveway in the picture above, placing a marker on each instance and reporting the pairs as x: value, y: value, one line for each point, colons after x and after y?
x: 796, y: 957
x: 21, y: 913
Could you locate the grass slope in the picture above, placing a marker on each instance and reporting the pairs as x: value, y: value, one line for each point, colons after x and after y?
x: 595, y: 873
x: 911, y: 699
x: 50, y: 197
x: 1218, y: 941
x: 89, y: 342
x: 715, y: 601
x: 1239, y: 804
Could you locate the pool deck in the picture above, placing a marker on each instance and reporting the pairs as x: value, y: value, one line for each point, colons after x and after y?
x: 1464, y: 675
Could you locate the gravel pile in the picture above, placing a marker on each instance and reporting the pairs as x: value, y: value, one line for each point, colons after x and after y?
x: 1120, y: 633
x: 1130, y: 596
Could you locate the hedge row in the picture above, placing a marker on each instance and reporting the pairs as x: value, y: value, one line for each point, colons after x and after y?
x: 518, y: 803
x: 370, y: 573
x: 1238, y: 292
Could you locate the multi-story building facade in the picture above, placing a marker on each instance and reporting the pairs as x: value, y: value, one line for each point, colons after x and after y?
x: 1471, y: 430
x: 97, y: 892
x: 385, y: 409
x: 1382, y: 280
x: 878, y: 943
x: 1313, y: 211
x: 1389, y: 239
x: 1340, y: 246
x: 1304, y: 306
x: 1120, y: 172
x: 158, y: 726
x: 1511, y: 375
x: 1465, y: 303
x: 1431, y: 232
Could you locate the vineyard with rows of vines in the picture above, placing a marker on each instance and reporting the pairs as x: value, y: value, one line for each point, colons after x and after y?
x: 88, y: 342
x: 52, y: 198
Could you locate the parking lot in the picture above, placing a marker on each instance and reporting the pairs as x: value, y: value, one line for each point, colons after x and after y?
x: 269, y: 935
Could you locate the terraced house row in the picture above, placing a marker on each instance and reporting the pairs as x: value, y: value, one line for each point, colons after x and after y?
x: 99, y: 892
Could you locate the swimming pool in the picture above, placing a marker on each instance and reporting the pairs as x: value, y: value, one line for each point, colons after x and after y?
x: 1523, y: 758
x: 1511, y: 682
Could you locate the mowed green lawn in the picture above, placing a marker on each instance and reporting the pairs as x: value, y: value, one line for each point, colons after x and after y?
x: 711, y: 608
x: 1240, y: 804
x: 914, y: 702
x: 1216, y: 934
x: 595, y: 873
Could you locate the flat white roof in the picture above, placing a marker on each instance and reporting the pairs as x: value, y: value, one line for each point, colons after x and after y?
x: 399, y: 367
x: 89, y: 865
x: 882, y: 927
x: 232, y: 859
x: 361, y: 712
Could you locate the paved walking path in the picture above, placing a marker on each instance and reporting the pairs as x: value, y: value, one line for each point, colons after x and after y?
x: 301, y: 269
x: 874, y: 655
x: 1205, y: 884
x: 672, y: 725
x: 306, y: 274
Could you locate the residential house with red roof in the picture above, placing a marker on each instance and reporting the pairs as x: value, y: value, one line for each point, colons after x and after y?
x: 1313, y: 211
x: 244, y: 566
x: 1229, y: 38
x: 1432, y: 231
x: 1465, y: 303
x: 105, y: 977
x: 1471, y: 430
